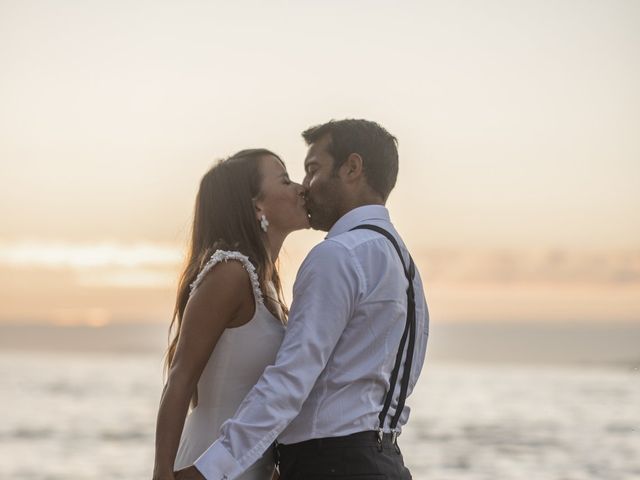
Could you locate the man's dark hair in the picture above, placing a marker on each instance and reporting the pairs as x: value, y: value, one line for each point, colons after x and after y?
x: 377, y: 147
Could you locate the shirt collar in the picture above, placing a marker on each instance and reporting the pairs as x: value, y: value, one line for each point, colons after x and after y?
x: 358, y: 216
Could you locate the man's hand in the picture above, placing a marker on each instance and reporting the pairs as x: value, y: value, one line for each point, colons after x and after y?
x: 189, y: 473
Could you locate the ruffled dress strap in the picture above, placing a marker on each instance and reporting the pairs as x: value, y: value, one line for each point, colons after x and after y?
x: 224, y: 256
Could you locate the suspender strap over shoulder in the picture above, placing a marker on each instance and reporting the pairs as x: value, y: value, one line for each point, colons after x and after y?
x: 409, y: 331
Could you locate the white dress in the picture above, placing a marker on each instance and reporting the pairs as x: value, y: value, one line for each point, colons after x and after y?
x: 235, y: 365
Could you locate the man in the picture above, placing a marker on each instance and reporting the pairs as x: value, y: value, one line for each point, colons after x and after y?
x: 357, y: 332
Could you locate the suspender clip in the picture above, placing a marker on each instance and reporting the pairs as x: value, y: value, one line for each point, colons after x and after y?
x: 394, y: 440
x: 276, y: 453
x: 380, y: 436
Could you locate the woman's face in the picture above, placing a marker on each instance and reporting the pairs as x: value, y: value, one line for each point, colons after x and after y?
x: 281, y: 200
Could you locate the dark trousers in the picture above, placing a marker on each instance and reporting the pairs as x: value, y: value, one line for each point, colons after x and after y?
x: 358, y: 456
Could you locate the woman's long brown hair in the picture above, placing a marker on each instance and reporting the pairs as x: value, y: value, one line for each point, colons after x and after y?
x: 224, y: 218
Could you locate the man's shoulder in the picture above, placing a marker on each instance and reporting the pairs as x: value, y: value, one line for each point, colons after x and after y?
x: 345, y: 245
x: 329, y: 247
x: 364, y: 238
x: 352, y: 242
x: 328, y: 261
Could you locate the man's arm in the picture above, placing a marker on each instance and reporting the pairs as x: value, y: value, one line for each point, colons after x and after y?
x: 325, y: 294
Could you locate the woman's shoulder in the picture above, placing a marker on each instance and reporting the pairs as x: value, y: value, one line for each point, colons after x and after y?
x: 231, y: 266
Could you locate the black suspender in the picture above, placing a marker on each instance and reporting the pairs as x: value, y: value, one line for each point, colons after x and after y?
x: 409, y: 331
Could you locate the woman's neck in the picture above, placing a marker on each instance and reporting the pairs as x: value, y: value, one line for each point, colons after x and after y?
x: 274, y: 243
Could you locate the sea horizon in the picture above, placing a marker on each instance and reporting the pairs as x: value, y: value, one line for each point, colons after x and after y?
x: 568, y: 343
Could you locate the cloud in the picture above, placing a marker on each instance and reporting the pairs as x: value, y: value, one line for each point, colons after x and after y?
x: 112, y: 264
x: 127, y: 278
x: 105, y: 264
x: 528, y: 266
x: 105, y: 283
x: 82, y: 256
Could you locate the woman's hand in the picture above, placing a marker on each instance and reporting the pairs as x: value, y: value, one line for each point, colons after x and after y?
x: 168, y: 475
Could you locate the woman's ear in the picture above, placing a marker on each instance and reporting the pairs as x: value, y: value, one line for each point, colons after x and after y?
x: 257, y: 207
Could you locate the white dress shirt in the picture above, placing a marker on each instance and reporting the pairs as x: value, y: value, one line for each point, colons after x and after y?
x: 332, y: 371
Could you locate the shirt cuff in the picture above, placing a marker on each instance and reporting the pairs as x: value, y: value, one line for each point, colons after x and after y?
x: 216, y: 463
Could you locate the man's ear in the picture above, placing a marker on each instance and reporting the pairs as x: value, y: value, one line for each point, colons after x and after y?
x: 353, y: 167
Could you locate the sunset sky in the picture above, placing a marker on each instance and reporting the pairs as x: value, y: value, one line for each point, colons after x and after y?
x: 518, y: 127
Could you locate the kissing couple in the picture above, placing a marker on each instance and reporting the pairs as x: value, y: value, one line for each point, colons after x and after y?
x: 317, y: 391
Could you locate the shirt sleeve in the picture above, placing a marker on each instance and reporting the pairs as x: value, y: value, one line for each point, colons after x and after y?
x: 325, y: 292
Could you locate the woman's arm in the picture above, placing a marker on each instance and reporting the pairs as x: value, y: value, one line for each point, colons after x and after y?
x: 223, y: 299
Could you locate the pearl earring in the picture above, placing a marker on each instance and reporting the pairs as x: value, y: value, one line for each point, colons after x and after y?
x: 264, y: 223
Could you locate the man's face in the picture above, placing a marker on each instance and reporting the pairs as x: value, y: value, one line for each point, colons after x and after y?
x: 323, y: 186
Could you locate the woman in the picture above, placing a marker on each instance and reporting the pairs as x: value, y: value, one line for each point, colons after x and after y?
x: 229, y: 315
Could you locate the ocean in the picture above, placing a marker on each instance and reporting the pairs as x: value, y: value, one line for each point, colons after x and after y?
x: 91, y: 415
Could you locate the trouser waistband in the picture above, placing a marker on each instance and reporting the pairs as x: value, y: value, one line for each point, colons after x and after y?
x: 360, y: 439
